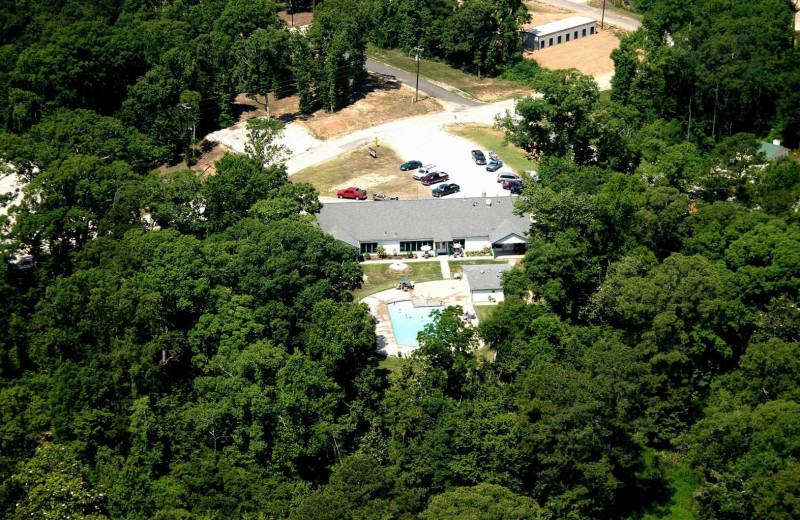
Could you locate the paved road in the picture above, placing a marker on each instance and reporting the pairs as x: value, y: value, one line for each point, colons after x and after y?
x: 424, y: 86
x: 617, y: 20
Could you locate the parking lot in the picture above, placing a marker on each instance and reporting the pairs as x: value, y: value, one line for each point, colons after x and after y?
x: 450, y: 154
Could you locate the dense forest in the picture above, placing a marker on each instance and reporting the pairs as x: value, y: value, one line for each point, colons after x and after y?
x: 188, y: 348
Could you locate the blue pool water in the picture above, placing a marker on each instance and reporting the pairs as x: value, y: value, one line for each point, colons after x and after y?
x: 408, y: 320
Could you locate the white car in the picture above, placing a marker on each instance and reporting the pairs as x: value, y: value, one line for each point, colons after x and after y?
x: 425, y: 170
x: 507, y: 176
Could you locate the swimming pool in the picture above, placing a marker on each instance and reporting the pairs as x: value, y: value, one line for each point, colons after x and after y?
x: 408, y: 320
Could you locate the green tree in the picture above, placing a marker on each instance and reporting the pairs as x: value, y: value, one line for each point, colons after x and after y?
x: 54, y: 484
x: 262, y: 63
x: 261, y: 145
x: 240, y: 181
x: 558, y: 123
x: 447, y: 346
x: 482, y: 502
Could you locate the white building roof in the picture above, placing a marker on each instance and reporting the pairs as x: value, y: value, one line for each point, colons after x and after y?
x: 560, y: 25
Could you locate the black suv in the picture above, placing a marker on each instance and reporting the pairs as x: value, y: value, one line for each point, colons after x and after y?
x: 478, y: 157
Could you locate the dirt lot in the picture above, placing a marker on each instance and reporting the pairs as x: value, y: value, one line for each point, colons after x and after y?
x: 357, y: 168
x: 300, y: 19
x: 543, y: 13
x: 380, y: 102
x: 590, y: 55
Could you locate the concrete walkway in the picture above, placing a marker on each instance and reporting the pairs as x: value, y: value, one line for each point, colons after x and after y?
x: 445, y: 268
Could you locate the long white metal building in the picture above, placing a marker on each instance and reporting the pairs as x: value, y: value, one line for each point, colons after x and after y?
x: 554, y: 33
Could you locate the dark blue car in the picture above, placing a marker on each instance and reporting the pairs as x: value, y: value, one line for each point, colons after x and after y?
x: 445, y: 189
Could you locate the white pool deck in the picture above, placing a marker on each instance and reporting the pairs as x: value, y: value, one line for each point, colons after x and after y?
x: 448, y: 292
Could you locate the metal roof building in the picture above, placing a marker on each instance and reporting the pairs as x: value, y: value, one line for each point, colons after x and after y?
x: 406, y: 225
x: 562, y: 31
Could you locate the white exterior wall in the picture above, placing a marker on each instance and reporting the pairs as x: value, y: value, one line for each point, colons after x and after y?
x: 483, y: 296
x: 571, y: 32
x: 391, y: 246
x: 476, y: 244
x: 531, y: 41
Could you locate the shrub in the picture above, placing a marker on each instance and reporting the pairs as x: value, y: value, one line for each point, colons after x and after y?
x: 381, y: 252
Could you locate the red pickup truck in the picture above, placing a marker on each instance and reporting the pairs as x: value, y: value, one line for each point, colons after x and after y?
x: 352, y: 193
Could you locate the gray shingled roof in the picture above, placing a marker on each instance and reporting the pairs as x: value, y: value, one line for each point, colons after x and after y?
x: 485, y: 276
x: 422, y: 219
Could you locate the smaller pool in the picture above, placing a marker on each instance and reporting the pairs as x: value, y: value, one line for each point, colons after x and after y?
x: 408, y: 320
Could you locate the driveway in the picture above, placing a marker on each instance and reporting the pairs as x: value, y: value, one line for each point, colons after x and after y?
x: 617, y: 20
x: 425, y: 86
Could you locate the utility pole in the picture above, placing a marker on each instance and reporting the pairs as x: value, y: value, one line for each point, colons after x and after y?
x: 603, y: 17
x: 186, y: 107
x: 418, y: 49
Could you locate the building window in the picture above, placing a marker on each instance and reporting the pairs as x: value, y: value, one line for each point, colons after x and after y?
x: 567, y: 36
x: 412, y: 246
x: 576, y: 35
x: 559, y: 39
x: 591, y: 30
x: 551, y: 43
x: 541, y: 45
x: 369, y: 247
x: 584, y: 33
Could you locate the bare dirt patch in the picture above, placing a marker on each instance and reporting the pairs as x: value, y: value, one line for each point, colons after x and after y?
x: 380, y: 101
x: 358, y: 169
x: 384, y: 101
x: 590, y: 55
x: 300, y: 19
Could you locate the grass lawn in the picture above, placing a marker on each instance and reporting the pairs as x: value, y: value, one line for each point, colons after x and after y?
x: 681, y: 483
x: 357, y: 168
x: 484, y: 89
x: 484, y: 311
x: 378, y: 277
x: 490, y: 138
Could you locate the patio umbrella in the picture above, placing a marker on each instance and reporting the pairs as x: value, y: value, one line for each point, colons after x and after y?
x: 404, y: 279
x: 457, y: 245
x: 426, y: 247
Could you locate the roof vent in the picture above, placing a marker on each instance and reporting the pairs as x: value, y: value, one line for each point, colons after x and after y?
x: 488, y: 202
x: 482, y: 271
x: 776, y: 142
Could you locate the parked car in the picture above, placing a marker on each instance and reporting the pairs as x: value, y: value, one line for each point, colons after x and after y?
x: 494, y: 166
x: 478, y: 157
x: 445, y: 189
x: 425, y: 170
x: 507, y: 176
x: 410, y: 165
x: 352, y: 193
x: 433, y: 178
x: 507, y: 185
